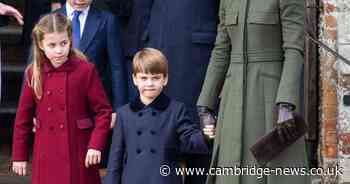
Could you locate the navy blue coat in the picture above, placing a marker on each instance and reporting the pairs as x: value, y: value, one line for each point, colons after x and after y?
x: 147, y: 137
x: 185, y: 31
x: 101, y: 43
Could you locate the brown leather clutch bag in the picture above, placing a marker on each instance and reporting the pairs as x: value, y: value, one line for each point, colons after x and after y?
x: 269, y: 146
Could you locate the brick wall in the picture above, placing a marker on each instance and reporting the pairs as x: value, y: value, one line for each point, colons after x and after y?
x: 328, y: 149
x: 334, y: 85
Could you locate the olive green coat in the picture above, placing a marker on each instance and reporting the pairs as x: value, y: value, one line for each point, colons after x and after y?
x: 256, y: 63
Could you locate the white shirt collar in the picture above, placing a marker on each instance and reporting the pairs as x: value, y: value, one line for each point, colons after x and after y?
x: 82, y: 17
x: 70, y: 10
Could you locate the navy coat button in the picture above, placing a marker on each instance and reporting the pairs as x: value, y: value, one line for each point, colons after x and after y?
x: 140, y: 114
x: 138, y: 151
x: 153, y: 150
x: 139, y: 132
x: 153, y: 132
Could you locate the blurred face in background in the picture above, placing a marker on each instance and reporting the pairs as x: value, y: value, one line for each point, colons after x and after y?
x: 79, y: 4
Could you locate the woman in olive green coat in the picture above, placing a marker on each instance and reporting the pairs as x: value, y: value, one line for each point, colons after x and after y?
x: 256, y: 64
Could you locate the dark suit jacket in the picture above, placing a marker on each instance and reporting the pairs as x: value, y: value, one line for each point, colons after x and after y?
x: 147, y: 137
x: 134, y: 16
x: 101, y: 43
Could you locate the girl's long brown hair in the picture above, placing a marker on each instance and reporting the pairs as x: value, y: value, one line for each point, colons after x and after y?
x: 50, y: 23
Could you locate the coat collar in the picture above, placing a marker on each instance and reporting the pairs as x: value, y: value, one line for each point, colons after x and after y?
x: 65, y: 67
x: 160, y: 103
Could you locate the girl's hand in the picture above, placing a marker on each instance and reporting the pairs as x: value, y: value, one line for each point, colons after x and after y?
x: 209, y: 131
x: 20, y: 167
x: 113, y: 119
x: 92, y: 157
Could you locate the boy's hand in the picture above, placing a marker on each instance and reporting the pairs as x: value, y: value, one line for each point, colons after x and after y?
x: 206, y: 116
x: 92, y: 157
x: 113, y: 119
x: 20, y: 167
x: 209, y: 131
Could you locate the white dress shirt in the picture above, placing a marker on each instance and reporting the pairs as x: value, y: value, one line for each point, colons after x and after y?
x: 82, y: 17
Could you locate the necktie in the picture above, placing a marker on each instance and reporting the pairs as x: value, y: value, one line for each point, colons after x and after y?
x: 76, y: 29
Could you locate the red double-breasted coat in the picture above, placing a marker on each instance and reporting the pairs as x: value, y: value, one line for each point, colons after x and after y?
x: 73, y: 115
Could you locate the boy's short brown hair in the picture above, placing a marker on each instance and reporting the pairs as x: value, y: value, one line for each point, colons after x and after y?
x: 149, y: 60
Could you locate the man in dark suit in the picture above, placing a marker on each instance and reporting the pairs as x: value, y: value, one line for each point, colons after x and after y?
x: 100, y: 41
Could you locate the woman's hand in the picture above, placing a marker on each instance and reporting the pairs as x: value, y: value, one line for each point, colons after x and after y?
x: 20, y: 167
x: 113, y: 120
x: 92, y: 157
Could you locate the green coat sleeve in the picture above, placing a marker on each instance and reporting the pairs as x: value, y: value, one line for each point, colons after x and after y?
x: 218, y: 65
x: 292, y: 21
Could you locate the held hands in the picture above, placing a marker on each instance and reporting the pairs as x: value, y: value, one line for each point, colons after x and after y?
x: 207, y: 121
x: 20, y: 167
x: 285, y: 122
x: 209, y: 131
x: 92, y: 157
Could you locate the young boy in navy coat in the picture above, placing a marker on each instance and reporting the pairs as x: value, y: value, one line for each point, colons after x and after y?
x: 153, y: 130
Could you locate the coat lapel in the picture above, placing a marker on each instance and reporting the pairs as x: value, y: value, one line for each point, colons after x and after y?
x: 92, y: 24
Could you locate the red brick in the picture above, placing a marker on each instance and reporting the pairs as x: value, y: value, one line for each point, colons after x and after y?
x: 330, y: 21
x: 330, y: 151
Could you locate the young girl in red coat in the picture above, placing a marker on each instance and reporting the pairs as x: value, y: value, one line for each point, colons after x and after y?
x: 62, y: 91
